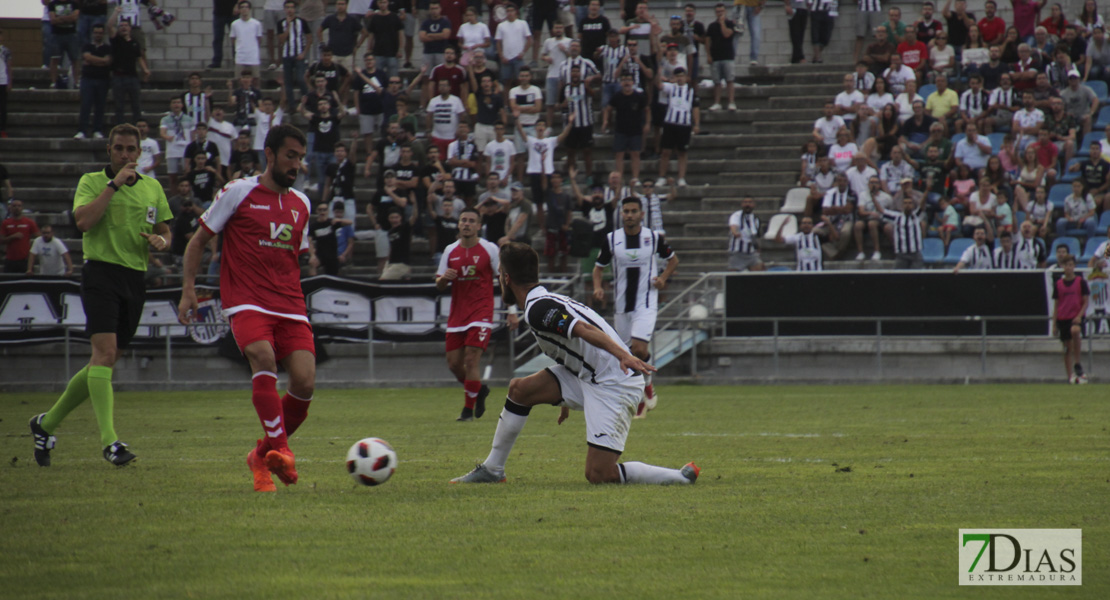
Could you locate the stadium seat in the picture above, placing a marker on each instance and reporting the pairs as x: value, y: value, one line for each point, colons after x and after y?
x: 1057, y: 194
x: 956, y: 139
x: 1099, y: 88
x: 933, y: 250
x: 1092, y: 245
x: 777, y: 221
x: 779, y: 268
x: 1103, y: 119
x: 925, y: 90
x: 1069, y: 176
x: 1070, y: 242
x: 1084, y: 148
x: 1104, y: 221
x: 996, y: 141
x: 795, y: 201
x: 956, y: 249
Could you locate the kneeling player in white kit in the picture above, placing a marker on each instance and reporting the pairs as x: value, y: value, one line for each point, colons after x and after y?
x: 634, y: 252
x: 596, y: 374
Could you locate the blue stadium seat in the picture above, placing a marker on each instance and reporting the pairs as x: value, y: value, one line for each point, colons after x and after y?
x: 1019, y: 218
x: 1092, y: 245
x: 1069, y: 176
x: 1057, y: 194
x: 996, y: 141
x: 1099, y: 88
x: 1084, y: 148
x: 779, y: 268
x: 929, y: 88
x: 956, y: 139
x: 1103, y: 118
x: 956, y: 249
x: 1104, y: 221
x: 933, y: 250
x: 1070, y: 242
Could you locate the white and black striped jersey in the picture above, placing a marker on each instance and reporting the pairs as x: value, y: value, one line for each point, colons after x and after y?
x: 585, y: 66
x: 464, y: 150
x: 977, y: 257
x: 907, y: 230
x: 837, y: 198
x: 131, y: 11
x: 974, y: 104
x: 553, y: 317
x: 1030, y: 253
x: 865, y: 83
x: 196, y: 106
x: 869, y: 6
x: 635, y: 260
x: 1009, y: 98
x: 1004, y: 259
x: 653, y: 212
x: 681, y: 102
x: 749, y: 232
x: 611, y: 58
x: 807, y: 251
x: 577, y: 98
x: 295, y: 44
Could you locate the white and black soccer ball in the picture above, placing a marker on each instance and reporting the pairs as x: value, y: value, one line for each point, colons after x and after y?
x: 371, y: 461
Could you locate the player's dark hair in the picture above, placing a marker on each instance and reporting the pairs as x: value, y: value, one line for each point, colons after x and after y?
x: 125, y: 129
x: 521, y: 263
x: 632, y: 200
x: 276, y: 138
x: 471, y: 209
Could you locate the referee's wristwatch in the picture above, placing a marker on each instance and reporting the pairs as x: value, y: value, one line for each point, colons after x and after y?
x: 112, y: 184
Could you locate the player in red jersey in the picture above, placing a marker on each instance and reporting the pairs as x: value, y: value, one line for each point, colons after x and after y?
x: 467, y: 267
x: 265, y: 227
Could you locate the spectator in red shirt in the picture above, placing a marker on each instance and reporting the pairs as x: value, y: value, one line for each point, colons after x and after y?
x: 1025, y: 16
x: 17, y: 231
x: 991, y: 27
x: 914, y: 54
x: 1047, y: 155
x: 1056, y: 23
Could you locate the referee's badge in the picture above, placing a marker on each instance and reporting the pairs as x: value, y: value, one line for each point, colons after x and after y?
x: 151, y: 215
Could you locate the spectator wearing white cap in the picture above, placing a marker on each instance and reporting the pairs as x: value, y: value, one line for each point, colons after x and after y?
x: 1080, y: 101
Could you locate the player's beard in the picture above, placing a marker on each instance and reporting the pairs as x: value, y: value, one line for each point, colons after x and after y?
x: 507, y: 296
x: 284, y: 179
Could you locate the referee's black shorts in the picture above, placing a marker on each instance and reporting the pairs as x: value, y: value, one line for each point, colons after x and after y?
x: 676, y: 137
x: 113, y: 297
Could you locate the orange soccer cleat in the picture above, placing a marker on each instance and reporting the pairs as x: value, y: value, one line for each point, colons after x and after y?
x: 281, y: 464
x: 263, y: 481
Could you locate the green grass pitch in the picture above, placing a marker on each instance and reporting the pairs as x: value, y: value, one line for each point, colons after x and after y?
x: 806, y: 492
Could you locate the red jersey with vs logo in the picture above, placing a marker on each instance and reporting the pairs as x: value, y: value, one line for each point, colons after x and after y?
x: 472, y: 291
x: 264, y: 234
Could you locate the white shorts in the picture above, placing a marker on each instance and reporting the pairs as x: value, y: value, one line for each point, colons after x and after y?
x: 483, y: 135
x: 638, y: 324
x: 609, y: 408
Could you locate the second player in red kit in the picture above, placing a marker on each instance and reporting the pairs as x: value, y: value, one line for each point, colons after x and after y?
x: 468, y: 267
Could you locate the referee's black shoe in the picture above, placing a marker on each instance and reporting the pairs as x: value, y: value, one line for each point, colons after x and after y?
x: 44, y: 442
x: 118, y: 454
x: 480, y: 402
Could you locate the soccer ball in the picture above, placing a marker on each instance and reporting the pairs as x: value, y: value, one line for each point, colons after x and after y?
x: 371, y: 461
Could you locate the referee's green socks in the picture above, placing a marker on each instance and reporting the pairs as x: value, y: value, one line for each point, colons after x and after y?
x: 76, y: 392
x: 103, y: 400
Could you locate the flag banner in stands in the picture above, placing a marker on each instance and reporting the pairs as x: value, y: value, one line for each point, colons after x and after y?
x: 40, y: 309
x: 842, y: 295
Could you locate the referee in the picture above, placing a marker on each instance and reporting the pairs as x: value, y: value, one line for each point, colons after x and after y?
x: 122, y: 215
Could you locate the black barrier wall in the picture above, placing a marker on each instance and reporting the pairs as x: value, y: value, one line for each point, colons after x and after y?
x: 887, y: 294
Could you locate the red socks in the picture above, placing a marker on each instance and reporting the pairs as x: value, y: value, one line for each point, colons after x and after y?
x: 472, y: 388
x: 294, y: 411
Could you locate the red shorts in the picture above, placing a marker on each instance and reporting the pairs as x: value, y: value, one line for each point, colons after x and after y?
x: 475, y: 337
x: 285, y: 335
x: 556, y: 244
x: 948, y: 228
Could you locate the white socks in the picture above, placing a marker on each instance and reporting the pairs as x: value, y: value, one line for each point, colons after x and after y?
x: 508, y: 428
x: 638, y: 472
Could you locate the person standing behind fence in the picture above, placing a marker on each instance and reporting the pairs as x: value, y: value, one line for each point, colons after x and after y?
x: 123, y: 215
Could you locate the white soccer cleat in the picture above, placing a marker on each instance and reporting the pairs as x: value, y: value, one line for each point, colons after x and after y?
x: 651, y: 400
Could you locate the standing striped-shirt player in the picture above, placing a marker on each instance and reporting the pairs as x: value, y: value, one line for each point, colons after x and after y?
x: 906, y: 229
x: 807, y: 246
x: 743, y: 249
x: 680, y: 123
x: 634, y: 253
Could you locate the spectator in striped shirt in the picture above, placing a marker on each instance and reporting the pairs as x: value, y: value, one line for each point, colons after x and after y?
x: 575, y: 102
x: 1005, y: 255
x: 976, y: 257
x: 743, y: 246
x: 807, y: 245
x: 907, y: 228
x: 837, y: 216
x: 611, y: 56
x: 680, y: 123
x: 295, y: 39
